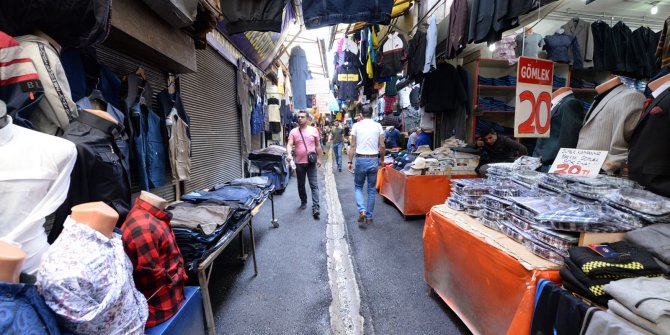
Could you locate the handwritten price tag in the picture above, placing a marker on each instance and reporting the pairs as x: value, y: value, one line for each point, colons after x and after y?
x: 532, y: 114
x: 578, y: 162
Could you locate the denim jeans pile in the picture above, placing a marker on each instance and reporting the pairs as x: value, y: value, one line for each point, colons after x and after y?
x: 493, y: 104
x: 500, y: 81
x: 559, y: 82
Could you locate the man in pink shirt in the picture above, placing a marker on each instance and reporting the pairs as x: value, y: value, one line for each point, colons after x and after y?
x: 306, y: 139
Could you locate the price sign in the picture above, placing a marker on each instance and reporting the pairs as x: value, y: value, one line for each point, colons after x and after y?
x: 532, y: 113
x: 317, y: 86
x: 578, y: 162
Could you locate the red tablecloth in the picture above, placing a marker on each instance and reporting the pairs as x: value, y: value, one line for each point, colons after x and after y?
x: 486, y: 278
x: 415, y: 195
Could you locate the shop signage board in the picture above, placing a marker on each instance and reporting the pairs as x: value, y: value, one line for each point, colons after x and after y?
x: 533, y: 97
x: 578, y: 162
x: 322, y: 103
x: 317, y: 86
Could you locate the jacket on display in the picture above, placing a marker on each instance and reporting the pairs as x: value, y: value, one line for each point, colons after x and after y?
x: 297, y: 65
x: 649, y: 156
x: 603, y: 46
x: 488, y: 19
x: 246, y: 91
x: 179, y: 148
x: 559, y: 46
x: 20, y: 86
x: 393, y: 55
x: 624, y: 59
x: 566, y: 121
x: 321, y: 13
x: 458, y: 23
x: 416, y: 55
x: 253, y: 15
x: 99, y: 174
x: 645, y: 42
x: 348, y: 79
x: 663, y: 49
x: 431, y: 43
x: 56, y: 108
x: 516, y: 8
x: 91, y: 27
x: 149, y: 145
x: 581, y: 30
x: 442, y: 90
x: 609, y: 124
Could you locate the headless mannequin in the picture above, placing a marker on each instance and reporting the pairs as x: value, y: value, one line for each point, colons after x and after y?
x: 96, y: 215
x: 3, y: 114
x: 654, y: 85
x: 606, y: 86
x: 11, y: 261
x: 102, y: 114
x: 560, y: 91
x: 153, y: 199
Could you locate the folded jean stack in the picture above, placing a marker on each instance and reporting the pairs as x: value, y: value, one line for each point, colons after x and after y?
x: 493, y: 104
x: 205, y: 220
x: 500, y: 81
x: 581, y: 83
x: 586, y: 272
x: 271, y: 162
x: 559, y: 82
x: 546, y: 212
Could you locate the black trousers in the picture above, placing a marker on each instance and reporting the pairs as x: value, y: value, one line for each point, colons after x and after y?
x: 310, y: 171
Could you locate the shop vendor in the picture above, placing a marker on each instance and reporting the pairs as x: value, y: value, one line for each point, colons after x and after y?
x: 496, y: 148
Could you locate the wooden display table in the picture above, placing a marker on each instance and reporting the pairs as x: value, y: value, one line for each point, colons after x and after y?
x: 415, y: 195
x: 486, y: 278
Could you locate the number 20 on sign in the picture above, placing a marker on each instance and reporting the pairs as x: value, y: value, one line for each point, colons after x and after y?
x: 532, y: 114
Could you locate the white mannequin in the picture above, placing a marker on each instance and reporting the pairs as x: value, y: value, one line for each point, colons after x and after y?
x: 11, y: 261
x: 97, y: 215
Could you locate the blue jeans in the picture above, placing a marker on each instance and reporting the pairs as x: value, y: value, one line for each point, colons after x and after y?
x: 366, y: 168
x: 337, y: 149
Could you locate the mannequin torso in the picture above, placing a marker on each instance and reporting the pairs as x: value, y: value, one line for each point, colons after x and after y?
x: 11, y: 261
x: 560, y: 91
x: 153, y: 199
x: 654, y: 85
x: 96, y: 215
x: 606, y: 86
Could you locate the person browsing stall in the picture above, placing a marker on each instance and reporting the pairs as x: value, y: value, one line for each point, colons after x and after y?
x: 499, y: 149
x: 367, y: 148
x: 308, y: 155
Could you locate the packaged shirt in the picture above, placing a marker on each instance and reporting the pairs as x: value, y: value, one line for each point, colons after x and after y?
x: 87, y: 280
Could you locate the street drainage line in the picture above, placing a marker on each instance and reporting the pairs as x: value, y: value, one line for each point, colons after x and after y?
x: 345, y: 316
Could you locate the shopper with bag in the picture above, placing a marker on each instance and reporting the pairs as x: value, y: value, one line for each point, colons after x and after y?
x: 307, y: 159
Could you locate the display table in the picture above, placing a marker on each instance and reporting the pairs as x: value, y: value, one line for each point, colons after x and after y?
x: 415, y: 195
x: 486, y: 278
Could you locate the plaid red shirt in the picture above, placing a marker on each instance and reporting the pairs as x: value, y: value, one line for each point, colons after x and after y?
x: 158, y: 268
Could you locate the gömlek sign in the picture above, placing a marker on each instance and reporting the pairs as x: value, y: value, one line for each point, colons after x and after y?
x: 532, y: 114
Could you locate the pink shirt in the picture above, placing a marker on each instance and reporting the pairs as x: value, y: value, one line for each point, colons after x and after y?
x: 311, y: 136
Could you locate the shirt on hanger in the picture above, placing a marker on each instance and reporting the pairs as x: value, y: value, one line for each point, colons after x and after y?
x: 529, y: 45
x: 87, y: 280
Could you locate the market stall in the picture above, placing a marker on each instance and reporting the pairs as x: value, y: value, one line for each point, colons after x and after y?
x: 485, y: 277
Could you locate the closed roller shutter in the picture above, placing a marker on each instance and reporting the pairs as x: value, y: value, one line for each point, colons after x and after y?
x: 122, y: 64
x: 209, y: 97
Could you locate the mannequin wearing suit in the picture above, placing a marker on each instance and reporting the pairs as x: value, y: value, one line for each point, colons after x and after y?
x: 649, y: 157
x: 610, y: 122
x: 567, y: 115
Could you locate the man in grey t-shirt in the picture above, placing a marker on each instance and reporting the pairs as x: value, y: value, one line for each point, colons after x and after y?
x: 337, y: 139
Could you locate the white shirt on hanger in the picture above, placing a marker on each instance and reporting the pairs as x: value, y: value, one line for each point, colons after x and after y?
x: 34, y: 179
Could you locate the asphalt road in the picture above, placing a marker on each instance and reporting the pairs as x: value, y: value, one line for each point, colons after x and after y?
x: 291, y: 293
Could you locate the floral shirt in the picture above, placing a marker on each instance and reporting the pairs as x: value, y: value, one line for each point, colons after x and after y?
x: 87, y: 280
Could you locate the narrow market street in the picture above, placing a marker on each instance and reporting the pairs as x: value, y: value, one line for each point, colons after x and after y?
x: 291, y: 293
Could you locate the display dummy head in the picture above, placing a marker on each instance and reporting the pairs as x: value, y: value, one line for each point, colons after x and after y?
x: 11, y: 261
x: 97, y: 215
x: 153, y: 199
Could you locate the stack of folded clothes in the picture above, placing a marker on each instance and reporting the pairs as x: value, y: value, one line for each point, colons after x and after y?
x: 493, y: 104
x: 500, y: 81
x: 485, y: 81
x: 586, y: 272
x: 644, y: 302
x: 645, y: 205
x: 559, y: 82
x: 656, y: 240
x: 271, y: 162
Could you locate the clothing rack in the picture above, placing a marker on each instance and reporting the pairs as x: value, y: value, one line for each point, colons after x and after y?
x: 628, y: 20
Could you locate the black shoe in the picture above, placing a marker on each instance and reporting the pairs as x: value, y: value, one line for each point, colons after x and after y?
x: 316, y: 215
x: 339, y: 169
x: 303, y: 205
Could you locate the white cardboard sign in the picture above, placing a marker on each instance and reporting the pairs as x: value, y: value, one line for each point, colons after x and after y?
x: 578, y: 162
x: 317, y: 86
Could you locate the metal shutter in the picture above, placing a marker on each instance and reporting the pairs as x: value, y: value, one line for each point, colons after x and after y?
x: 122, y: 64
x: 209, y: 97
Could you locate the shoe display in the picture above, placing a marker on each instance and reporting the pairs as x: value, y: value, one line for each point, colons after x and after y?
x: 303, y: 205
x: 361, y: 216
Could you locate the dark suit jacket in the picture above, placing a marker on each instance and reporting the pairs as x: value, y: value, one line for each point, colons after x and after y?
x: 488, y: 19
x: 602, y: 46
x: 649, y: 155
x: 624, y: 61
x: 458, y: 22
x: 566, y: 121
x: 645, y: 42
x: 517, y: 8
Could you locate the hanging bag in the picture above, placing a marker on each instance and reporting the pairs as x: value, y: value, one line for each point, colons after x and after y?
x: 311, y: 155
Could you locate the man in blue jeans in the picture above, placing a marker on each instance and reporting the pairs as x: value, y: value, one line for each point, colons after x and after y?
x: 337, y: 139
x: 367, y: 148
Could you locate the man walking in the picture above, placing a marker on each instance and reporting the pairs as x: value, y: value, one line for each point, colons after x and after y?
x: 337, y: 139
x: 306, y: 140
x: 367, y: 147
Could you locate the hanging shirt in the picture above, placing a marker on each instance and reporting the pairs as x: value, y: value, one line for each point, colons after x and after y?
x: 528, y: 45
x: 394, y: 54
x: 158, y: 266
x: 34, y: 179
x: 347, y: 79
x: 558, y: 45
x: 431, y: 43
x: 87, y: 280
